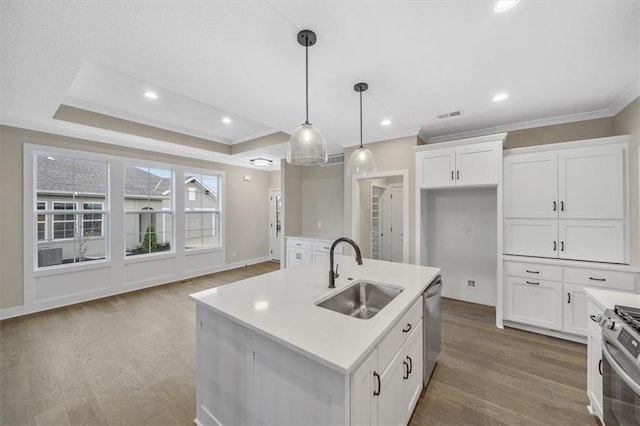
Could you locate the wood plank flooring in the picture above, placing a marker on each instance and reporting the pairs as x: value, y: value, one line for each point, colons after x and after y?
x: 129, y: 360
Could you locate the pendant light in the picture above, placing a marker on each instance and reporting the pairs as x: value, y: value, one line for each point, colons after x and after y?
x: 362, y: 160
x: 307, y: 146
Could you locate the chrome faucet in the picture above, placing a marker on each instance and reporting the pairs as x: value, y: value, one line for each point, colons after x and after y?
x: 333, y: 275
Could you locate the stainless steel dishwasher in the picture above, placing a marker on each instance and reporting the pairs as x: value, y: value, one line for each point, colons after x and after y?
x: 431, y: 326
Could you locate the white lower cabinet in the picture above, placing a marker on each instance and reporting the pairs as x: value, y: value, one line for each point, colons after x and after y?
x: 385, y: 393
x: 301, y: 251
x: 533, y: 301
x: 553, y: 296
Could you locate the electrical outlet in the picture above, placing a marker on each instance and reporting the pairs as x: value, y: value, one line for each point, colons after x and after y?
x: 319, y: 225
x: 233, y: 253
x: 471, y: 284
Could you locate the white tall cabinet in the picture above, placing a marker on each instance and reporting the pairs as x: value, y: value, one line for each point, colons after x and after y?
x: 567, y: 201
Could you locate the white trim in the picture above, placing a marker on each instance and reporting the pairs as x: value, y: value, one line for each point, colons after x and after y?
x: 462, y: 142
x: 398, y: 134
x: 628, y: 96
x: 16, y: 311
x: 355, y: 205
x: 611, y: 140
x: 546, y: 332
x: 561, y: 119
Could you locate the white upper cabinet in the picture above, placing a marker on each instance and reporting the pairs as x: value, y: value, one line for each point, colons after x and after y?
x: 591, y: 183
x: 466, y: 162
x: 531, y: 182
x: 567, y: 200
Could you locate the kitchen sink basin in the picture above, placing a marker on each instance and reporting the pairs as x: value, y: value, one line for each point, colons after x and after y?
x: 361, y: 300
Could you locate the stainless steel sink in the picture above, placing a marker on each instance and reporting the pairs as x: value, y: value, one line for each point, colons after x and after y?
x: 361, y: 300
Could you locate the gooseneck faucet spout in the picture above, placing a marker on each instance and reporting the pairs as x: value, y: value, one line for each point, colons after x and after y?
x: 333, y: 275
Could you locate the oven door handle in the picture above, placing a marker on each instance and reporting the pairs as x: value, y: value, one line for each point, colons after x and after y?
x: 618, y: 369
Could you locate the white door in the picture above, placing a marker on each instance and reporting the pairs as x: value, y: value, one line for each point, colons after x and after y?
x: 531, y: 186
x: 275, y: 223
x: 595, y: 240
x: 390, y: 407
x: 591, y: 183
x: 396, y: 223
x: 534, y: 302
x: 364, y: 383
x: 476, y: 164
x: 437, y: 169
x: 412, y: 385
x: 531, y: 237
x: 575, y: 309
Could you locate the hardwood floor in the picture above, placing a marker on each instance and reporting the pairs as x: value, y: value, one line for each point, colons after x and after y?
x: 129, y: 360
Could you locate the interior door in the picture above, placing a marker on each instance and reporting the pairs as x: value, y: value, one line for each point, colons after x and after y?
x: 396, y: 223
x: 275, y: 223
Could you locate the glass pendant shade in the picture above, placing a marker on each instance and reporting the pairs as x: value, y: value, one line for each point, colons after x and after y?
x: 307, y: 147
x: 361, y: 162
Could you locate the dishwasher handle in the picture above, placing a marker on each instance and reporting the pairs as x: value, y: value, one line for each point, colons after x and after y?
x: 434, y: 288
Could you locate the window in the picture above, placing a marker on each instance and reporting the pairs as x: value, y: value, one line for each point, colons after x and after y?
x: 42, y: 221
x: 72, y: 185
x: 92, y: 222
x: 148, y: 204
x: 64, y: 225
x: 202, y: 211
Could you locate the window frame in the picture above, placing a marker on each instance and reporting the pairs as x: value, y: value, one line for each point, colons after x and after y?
x: 220, y: 175
x: 171, y: 210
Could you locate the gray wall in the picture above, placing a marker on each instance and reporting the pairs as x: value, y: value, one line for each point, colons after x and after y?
x: 322, y: 200
x: 246, y: 203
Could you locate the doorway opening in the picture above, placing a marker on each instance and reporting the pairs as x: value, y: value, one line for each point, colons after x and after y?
x: 275, y: 223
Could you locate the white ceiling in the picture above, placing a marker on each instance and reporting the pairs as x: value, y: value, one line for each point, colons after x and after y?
x: 558, y: 60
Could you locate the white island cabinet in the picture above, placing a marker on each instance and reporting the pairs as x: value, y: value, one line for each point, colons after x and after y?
x: 266, y: 354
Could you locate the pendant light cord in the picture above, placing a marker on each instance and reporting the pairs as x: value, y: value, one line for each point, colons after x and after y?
x: 306, y: 68
x: 360, y: 119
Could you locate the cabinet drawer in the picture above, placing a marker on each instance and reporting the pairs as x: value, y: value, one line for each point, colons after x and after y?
x: 533, y: 270
x: 393, y: 341
x: 600, y: 278
x: 297, y: 243
x: 325, y: 246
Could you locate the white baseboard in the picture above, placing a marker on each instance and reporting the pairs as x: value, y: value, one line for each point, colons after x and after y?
x: 546, y: 332
x: 17, y: 311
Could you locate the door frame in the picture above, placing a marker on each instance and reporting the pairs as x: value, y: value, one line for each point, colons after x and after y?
x: 355, y: 204
x: 272, y: 193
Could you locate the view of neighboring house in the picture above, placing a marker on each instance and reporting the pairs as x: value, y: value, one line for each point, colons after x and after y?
x: 72, y: 205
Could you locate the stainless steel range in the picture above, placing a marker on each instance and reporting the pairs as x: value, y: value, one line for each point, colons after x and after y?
x: 621, y: 366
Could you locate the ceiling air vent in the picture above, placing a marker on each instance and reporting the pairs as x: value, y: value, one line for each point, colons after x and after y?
x: 335, y: 159
x: 450, y: 114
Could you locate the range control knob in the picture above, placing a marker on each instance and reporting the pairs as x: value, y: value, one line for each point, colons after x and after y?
x: 608, y: 323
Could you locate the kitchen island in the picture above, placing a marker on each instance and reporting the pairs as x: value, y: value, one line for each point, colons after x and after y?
x: 266, y: 353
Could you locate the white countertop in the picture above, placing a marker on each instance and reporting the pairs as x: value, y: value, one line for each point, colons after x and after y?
x: 281, y: 306
x: 607, y: 299
x: 314, y: 238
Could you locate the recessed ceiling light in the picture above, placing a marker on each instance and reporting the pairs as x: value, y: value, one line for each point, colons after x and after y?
x: 150, y: 95
x: 226, y: 120
x: 504, y: 5
x: 261, y: 162
x: 385, y: 122
x: 500, y: 97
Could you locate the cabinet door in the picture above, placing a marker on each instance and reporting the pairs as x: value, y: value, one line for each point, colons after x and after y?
x: 390, y: 406
x: 437, y: 170
x: 596, y: 240
x: 321, y: 255
x: 412, y: 384
x: 534, y: 302
x: 591, y: 183
x: 531, y: 186
x: 363, y: 385
x: 575, y: 309
x: 531, y: 237
x: 594, y: 368
x: 293, y: 258
x: 478, y: 164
